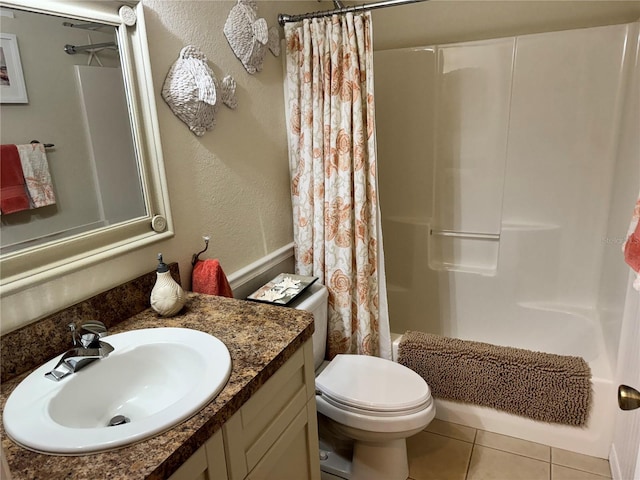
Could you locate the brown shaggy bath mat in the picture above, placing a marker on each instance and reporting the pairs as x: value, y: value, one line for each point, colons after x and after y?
x: 542, y: 386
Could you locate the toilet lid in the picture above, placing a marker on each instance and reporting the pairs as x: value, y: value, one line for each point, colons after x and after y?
x: 373, y: 384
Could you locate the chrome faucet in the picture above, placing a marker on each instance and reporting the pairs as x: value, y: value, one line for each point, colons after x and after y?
x: 87, y: 347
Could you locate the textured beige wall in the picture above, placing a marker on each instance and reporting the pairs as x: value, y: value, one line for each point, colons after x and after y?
x: 232, y: 183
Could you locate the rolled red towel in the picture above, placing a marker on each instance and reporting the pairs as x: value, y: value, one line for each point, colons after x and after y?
x: 208, y: 277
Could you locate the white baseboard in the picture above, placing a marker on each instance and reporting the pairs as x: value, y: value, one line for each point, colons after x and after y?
x: 248, y: 279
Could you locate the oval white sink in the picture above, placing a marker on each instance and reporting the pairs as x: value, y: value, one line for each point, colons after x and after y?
x: 155, y: 377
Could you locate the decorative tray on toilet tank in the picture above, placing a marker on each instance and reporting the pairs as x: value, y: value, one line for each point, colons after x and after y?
x: 283, y: 289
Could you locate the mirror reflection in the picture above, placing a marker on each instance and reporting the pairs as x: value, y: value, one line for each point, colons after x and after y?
x: 77, y: 104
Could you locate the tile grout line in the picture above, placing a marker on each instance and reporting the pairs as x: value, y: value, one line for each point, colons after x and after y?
x: 517, y: 454
x: 472, y: 442
x: 473, y: 446
x: 578, y: 469
x: 583, y: 471
x: 513, y: 453
x: 466, y: 473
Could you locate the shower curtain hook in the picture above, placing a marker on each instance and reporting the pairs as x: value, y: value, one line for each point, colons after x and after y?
x: 195, y: 257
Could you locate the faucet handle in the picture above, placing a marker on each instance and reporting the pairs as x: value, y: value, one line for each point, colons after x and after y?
x: 94, y: 331
x: 96, y: 327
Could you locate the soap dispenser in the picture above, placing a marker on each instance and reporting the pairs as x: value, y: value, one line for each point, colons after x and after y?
x: 167, y: 297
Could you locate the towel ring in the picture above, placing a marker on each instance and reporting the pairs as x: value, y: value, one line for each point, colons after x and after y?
x: 196, y: 256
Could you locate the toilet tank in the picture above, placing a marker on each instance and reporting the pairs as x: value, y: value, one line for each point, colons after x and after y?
x: 314, y: 300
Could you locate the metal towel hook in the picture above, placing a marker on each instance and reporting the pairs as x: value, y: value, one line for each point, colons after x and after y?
x: 196, y: 256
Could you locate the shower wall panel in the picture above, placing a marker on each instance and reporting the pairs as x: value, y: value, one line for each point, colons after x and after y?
x: 472, y: 120
x: 472, y: 110
x: 117, y: 183
x: 613, y: 280
x: 519, y: 141
x: 564, y: 119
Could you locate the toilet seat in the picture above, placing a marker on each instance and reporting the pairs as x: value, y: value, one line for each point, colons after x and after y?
x: 373, y: 413
x: 373, y: 387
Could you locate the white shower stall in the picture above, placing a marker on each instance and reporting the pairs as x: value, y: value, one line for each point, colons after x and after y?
x: 508, y: 171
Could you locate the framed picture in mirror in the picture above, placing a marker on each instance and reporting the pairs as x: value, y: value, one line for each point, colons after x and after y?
x: 12, y: 87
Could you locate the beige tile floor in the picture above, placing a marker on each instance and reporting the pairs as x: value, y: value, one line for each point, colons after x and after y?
x: 447, y: 451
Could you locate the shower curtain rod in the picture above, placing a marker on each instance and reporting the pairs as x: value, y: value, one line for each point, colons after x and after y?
x: 285, y: 18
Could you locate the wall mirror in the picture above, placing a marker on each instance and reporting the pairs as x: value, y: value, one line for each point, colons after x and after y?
x: 89, y: 98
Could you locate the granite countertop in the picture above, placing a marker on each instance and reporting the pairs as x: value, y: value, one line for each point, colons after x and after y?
x: 260, y: 339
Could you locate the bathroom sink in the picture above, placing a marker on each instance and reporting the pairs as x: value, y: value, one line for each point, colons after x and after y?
x: 154, y: 379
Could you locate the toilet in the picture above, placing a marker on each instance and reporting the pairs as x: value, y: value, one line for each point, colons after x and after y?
x: 367, y: 407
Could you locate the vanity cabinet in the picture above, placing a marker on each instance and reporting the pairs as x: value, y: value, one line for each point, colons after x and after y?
x: 273, y: 436
x: 208, y: 463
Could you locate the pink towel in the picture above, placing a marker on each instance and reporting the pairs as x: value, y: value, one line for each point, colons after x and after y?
x: 208, y: 277
x: 36, y: 174
x: 632, y: 245
x: 13, y: 193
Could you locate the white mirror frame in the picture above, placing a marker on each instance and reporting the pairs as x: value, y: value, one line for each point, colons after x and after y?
x: 31, y: 266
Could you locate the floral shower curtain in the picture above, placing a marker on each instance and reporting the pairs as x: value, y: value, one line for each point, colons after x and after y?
x: 332, y: 159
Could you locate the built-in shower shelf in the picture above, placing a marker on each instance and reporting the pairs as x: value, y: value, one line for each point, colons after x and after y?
x: 417, y: 221
x: 469, y: 235
x: 576, y: 310
x: 528, y: 226
x: 461, y: 251
x: 395, y: 288
x: 456, y: 267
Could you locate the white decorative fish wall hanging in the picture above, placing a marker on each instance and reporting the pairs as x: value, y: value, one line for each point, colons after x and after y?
x: 249, y: 36
x: 193, y: 92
